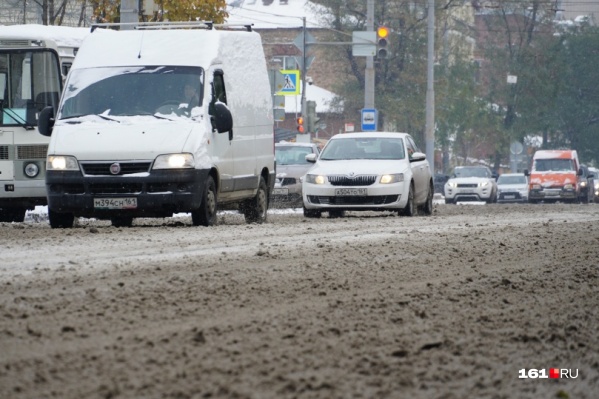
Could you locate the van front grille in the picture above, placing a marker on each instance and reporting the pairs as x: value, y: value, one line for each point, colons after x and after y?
x: 103, y: 168
x: 3, y: 152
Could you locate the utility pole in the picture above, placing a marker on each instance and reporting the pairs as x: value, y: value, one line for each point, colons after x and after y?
x: 369, y: 72
x: 129, y: 13
x: 430, y: 91
x: 304, y: 60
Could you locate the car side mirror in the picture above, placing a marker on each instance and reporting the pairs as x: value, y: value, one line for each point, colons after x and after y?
x: 311, y: 158
x: 45, y: 121
x: 526, y: 172
x: 580, y: 172
x: 417, y: 156
x: 591, y: 176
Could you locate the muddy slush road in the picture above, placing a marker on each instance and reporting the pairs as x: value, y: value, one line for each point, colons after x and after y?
x: 367, y: 306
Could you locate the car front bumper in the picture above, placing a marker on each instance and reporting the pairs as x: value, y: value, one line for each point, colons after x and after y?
x: 374, y: 197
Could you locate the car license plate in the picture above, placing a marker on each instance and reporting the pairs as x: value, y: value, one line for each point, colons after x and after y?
x: 509, y: 196
x: 115, y: 203
x: 348, y: 192
x: 280, y: 191
x: 466, y: 191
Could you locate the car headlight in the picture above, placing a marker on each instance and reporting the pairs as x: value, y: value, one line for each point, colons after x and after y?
x: 394, y: 178
x: 31, y: 170
x: 452, y: 184
x: 484, y: 184
x: 316, y: 179
x: 62, y: 162
x: 568, y: 186
x: 597, y: 185
x: 583, y: 184
x: 174, y: 161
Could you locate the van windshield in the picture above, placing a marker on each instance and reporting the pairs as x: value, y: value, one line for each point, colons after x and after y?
x: 131, y: 91
x: 554, y: 165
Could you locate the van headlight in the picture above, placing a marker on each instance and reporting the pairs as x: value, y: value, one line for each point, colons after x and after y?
x: 394, y: 178
x: 316, y: 179
x: 174, y: 161
x: 61, y: 163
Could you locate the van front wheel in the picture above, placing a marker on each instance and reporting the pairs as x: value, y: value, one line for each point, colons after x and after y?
x: 255, y: 209
x: 205, y: 215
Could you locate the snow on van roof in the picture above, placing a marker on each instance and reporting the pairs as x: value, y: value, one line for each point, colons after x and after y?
x: 552, y: 154
x: 61, y: 35
x: 193, y: 47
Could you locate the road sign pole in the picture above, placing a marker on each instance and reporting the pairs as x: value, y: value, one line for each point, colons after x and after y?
x: 369, y: 72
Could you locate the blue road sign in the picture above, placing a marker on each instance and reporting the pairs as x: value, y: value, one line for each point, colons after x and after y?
x: 369, y: 119
x: 291, y: 82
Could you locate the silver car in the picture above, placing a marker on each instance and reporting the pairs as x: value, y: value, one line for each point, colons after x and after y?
x: 291, y: 167
x: 512, y: 187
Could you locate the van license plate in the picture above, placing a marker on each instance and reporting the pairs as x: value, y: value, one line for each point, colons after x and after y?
x: 510, y: 197
x: 349, y: 192
x: 115, y: 203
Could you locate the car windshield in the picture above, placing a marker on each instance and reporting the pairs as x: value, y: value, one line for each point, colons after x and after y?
x: 127, y: 91
x: 292, y: 155
x: 554, y: 165
x: 511, y: 180
x: 364, y: 148
x: 472, y: 172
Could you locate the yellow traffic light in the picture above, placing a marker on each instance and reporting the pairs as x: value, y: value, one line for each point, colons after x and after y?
x: 382, y: 32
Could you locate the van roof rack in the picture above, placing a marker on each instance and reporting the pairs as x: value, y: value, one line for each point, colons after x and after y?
x: 171, y: 25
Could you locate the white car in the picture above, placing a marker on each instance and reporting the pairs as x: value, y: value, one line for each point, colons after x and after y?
x: 368, y: 171
x: 512, y: 187
x: 471, y: 183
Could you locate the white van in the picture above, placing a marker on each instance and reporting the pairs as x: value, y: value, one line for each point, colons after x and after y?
x: 162, y: 119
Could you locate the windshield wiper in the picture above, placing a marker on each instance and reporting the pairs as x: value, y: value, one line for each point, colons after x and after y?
x: 82, y: 115
x: 15, y: 117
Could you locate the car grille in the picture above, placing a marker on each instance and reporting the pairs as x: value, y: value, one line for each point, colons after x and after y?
x: 103, y: 168
x: 467, y: 185
x: 362, y: 180
x: 116, y: 188
x: 354, y: 200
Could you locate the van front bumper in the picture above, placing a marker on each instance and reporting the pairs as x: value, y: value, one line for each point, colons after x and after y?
x: 158, y: 194
x: 554, y: 194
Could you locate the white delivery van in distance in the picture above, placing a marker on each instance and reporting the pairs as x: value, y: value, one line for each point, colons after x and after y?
x: 162, y: 119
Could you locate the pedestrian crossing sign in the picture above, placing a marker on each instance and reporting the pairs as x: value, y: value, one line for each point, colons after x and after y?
x: 291, y: 82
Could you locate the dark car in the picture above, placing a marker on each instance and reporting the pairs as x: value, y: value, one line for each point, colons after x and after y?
x: 439, y: 181
x: 586, y: 183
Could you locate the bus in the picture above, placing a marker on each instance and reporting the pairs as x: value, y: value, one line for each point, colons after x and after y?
x: 34, y: 61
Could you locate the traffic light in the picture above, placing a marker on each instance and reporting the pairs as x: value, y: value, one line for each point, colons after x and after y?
x: 382, y: 36
x: 300, y: 124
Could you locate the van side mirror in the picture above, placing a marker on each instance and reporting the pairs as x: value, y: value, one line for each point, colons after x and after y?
x: 45, y: 122
x: 526, y: 172
x: 311, y: 158
x: 580, y: 172
x: 223, y: 120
